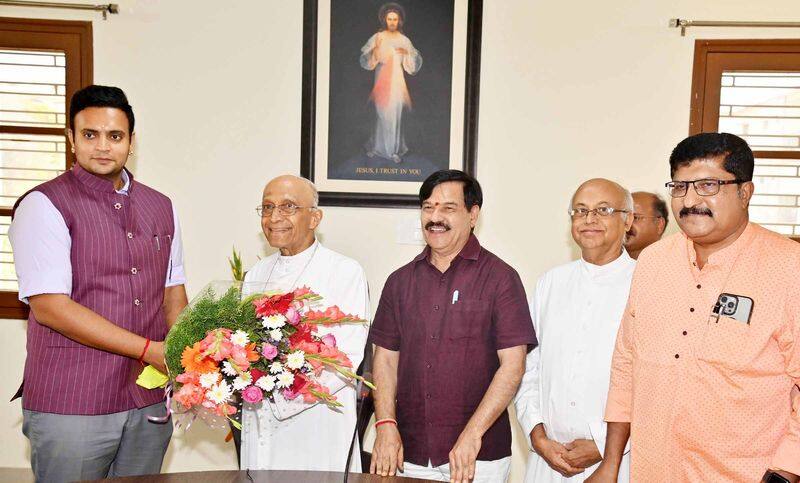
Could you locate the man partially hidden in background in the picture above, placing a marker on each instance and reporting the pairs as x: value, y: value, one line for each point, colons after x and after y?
x: 389, y: 53
x: 99, y: 259
x: 650, y: 218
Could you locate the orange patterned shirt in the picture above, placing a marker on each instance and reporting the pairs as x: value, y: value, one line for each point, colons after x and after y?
x: 707, y: 399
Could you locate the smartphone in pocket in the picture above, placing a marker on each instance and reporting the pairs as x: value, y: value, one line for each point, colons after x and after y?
x: 737, y: 307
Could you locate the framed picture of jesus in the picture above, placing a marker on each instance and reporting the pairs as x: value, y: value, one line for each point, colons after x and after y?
x: 390, y: 95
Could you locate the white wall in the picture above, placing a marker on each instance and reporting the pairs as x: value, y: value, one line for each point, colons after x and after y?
x: 569, y: 90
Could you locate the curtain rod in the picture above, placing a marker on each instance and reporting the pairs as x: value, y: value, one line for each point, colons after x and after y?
x: 683, y: 24
x: 107, y: 8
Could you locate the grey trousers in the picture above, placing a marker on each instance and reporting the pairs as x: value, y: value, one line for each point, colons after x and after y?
x: 70, y: 447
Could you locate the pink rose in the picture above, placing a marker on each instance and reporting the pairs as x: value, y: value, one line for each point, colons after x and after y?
x: 252, y: 394
x: 292, y: 315
x: 329, y: 340
x: 269, y: 351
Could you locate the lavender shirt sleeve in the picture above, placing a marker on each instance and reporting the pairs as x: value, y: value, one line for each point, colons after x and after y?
x: 176, y: 275
x: 41, y: 244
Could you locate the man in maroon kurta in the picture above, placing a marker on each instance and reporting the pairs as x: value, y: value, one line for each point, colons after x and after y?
x: 452, y: 330
x: 99, y: 260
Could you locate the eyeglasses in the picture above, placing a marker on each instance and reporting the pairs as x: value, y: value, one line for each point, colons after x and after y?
x: 604, y: 211
x: 284, y: 209
x: 638, y: 217
x: 703, y: 187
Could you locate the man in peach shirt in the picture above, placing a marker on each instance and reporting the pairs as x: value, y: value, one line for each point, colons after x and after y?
x: 709, y: 347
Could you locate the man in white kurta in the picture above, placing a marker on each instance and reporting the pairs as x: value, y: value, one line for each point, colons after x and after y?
x: 292, y: 435
x: 576, y: 311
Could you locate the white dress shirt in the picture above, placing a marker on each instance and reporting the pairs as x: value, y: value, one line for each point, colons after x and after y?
x: 42, y: 245
x: 576, y: 310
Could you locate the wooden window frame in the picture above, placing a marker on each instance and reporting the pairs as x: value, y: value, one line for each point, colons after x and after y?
x: 706, y: 89
x: 74, y: 38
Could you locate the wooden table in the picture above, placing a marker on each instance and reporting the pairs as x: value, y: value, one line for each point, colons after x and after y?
x: 234, y: 476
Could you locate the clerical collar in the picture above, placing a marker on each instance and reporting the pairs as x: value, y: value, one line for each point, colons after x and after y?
x: 300, y: 257
x: 616, y: 265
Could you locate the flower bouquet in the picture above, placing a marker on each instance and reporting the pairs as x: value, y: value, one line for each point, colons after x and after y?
x: 230, y: 348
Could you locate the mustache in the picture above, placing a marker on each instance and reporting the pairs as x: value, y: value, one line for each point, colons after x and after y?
x: 439, y: 224
x: 695, y: 211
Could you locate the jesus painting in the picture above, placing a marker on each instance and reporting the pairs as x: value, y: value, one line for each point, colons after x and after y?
x: 391, y: 55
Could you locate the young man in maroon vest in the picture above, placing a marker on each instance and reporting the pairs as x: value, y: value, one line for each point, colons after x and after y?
x: 99, y: 260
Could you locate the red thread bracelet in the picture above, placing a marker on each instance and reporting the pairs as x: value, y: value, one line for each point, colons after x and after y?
x: 384, y: 421
x: 141, y: 357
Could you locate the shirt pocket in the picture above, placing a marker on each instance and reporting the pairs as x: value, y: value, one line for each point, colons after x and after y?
x: 468, y: 319
x: 727, y: 343
x: 162, y: 248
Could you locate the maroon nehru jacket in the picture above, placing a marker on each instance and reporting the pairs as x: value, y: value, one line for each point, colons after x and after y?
x: 119, y: 256
x: 448, y: 328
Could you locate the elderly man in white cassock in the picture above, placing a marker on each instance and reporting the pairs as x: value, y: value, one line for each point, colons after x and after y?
x: 293, y: 435
x: 576, y: 310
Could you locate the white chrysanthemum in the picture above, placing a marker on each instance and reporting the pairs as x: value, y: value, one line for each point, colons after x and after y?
x: 241, y: 382
x: 274, y: 321
x: 266, y: 383
x: 275, y: 367
x: 276, y: 334
x: 228, y: 369
x: 219, y: 393
x: 295, y: 360
x: 240, y: 338
x: 209, y: 379
x: 285, y: 379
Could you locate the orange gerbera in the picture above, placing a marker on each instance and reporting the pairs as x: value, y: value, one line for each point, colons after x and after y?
x: 193, y: 360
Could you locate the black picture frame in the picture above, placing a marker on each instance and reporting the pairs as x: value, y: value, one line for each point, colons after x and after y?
x: 308, y: 124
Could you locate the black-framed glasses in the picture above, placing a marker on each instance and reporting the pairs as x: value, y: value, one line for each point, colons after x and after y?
x: 703, y: 187
x: 604, y: 211
x: 284, y: 209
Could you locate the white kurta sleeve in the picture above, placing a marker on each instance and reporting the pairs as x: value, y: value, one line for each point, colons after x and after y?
x: 42, y: 245
x: 598, y: 431
x: 350, y: 338
x: 527, y: 400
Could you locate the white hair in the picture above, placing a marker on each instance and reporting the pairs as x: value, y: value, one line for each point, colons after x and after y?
x: 628, y: 199
x: 315, y: 194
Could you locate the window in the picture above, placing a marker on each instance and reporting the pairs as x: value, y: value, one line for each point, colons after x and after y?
x: 42, y: 63
x: 751, y: 88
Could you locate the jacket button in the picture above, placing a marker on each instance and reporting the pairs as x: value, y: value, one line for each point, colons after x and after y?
x: 117, y: 206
